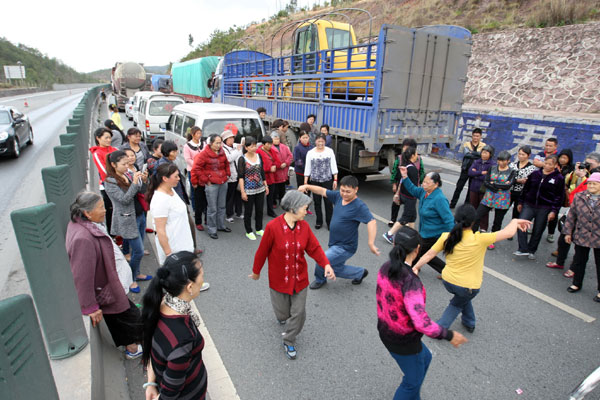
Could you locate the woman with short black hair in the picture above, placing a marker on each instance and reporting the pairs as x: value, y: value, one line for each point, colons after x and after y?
x: 103, y: 137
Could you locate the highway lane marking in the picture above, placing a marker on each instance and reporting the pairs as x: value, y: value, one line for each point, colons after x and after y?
x: 33, y: 95
x: 535, y: 293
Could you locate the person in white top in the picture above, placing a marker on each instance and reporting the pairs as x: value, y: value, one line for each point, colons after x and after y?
x: 169, y: 212
x: 321, y: 170
x: 233, y: 201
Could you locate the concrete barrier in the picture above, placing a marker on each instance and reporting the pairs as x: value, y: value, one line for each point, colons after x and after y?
x: 509, y: 128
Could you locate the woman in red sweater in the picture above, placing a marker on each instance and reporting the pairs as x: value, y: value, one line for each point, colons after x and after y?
x: 284, y: 242
x: 211, y: 170
x: 103, y: 137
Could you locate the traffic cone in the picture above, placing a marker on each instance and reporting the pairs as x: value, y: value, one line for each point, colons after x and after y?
x: 26, y: 103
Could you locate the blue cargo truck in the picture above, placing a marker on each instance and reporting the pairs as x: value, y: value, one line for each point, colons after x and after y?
x: 404, y: 83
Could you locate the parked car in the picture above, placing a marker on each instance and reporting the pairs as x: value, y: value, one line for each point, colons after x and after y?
x: 153, y: 111
x: 129, y: 109
x: 212, y: 118
x: 15, y: 131
x: 137, y: 100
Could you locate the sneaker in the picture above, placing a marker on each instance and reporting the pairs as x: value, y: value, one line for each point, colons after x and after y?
x: 251, y: 236
x: 290, y: 351
x: 469, y: 329
x: 205, y: 286
x: 137, y: 354
x: 531, y: 256
x: 554, y: 265
x: 491, y: 247
x: 260, y: 233
x: 135, y: 289
x: 390, y: 223
x: 520, y: 253
x: 241, y: 216
x: 550, y: 238
x: 200, y: 227
x: 317, y: 285
x: 388, y: 238
x: 230, y: 219
x: 359, y: 280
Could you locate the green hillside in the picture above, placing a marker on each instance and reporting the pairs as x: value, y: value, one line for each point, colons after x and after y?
x: 40, y: 70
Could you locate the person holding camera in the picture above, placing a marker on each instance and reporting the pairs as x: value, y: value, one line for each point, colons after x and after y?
x: 472, y: 150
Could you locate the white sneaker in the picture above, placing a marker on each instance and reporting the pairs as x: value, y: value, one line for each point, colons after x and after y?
x: 550, y: 238
x: 240, y: 216
x: 251, y: 236
x: 230, y: 219
x: 205, y: 286
x: 531, y: 256
x: 137, y: 354
x: 520, y: 253
x: 260, y: 233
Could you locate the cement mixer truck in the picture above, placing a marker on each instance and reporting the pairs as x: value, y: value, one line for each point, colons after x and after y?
x: 127, y: 78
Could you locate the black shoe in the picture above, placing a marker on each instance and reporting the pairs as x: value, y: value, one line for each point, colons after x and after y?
x: 272, y: 215
x: 390, y: 223
x: 318, y: 226
x: 359, y: 280
x: 573, y: 289
x: 452, y: 206
x: 317, y: 285
x: 597, y: 299
x: 469, y: 329
x: 226, y: 229
x: 213, y: 235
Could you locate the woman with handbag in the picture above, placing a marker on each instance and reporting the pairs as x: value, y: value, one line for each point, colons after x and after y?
x: 402, y: 196
x: 122, y: 188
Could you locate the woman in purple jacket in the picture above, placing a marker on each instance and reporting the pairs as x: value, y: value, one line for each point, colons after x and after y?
x: 92, y: 257
x: 401, y: 316
x: 300, y: 151
x: 477, y: 173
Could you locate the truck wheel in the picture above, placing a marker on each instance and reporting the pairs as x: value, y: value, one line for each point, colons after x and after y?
x: 362, y: 178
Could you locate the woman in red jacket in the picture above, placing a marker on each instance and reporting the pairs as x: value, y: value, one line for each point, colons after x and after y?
x: 281, y: 174
x: 211, y: 169
x: 103, y: 137
x: 271, y: 162
x: 284, y: 242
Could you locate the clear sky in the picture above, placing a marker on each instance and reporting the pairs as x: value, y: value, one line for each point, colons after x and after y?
x: 90, y: 35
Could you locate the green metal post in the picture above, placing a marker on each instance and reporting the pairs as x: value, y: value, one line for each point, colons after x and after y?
x: 46, y: 263
x: 76, y: 140
x: 59, y: 190
x: 67, y: 155
x: 25, y: 371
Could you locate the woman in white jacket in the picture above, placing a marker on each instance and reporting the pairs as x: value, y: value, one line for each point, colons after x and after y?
x: 233, y: 202
x: 321, y: 170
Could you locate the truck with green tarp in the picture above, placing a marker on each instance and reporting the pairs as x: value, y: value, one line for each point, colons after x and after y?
x: 191, y: 79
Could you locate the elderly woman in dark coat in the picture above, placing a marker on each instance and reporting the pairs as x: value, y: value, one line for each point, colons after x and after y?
x: 93, y: 264
x: 583, y: 228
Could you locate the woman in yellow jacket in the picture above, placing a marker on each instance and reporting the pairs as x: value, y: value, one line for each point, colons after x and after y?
x: 465, y: 253
x: 115, y: 116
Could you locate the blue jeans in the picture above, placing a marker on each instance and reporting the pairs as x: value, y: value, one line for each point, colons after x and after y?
x: 460, y: 303
x: 140, y: 221
x: 216, y: 196
x: 414, y: 367
x: 337, y: 257
x: 137, y: 252
x: 189, y: 175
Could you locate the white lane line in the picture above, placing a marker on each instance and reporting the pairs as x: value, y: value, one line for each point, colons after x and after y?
x: 553, y: 302
x: 8, y: 100
x: 540, y: 295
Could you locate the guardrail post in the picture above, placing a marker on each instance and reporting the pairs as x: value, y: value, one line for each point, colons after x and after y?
x: 46, y: 263
x: 76, y: 140
x: 59, y: 190
x: 67, y: 155
x: 25, y: 371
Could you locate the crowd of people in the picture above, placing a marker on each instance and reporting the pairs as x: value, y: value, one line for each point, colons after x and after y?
x: 232, y: 177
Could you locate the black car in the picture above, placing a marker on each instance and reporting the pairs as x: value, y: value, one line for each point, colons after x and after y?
x: 15, y: 131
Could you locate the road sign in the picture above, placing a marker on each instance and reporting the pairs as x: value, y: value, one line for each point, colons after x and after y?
x: 14, y: 72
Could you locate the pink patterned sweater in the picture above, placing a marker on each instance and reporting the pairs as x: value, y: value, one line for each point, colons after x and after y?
x: 401, y: 316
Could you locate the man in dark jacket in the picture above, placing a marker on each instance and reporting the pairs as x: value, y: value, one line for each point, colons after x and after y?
x: 472, y: 150
x: 541, y: 200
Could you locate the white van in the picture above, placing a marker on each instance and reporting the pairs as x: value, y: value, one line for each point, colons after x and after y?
x: 153, y: 111
x: 137, y: 99
x: 211, y: 118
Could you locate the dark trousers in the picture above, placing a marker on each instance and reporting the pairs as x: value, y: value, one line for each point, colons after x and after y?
x: 279, y: 192
x: 201, y: 204
x: 580, y: 260
x: 462, y: 179
x: 256, y: 201
x: 552, y: 226
x: 271, y: 200
x: 395, y: 210
x: 109, y: 209
x: 563, y: 250
x: 475, y: 200
x: 484, y: 211
x: 540, y: 219
x: 233, y: 201
x: 514, y: 201
x: 299, y: 180
x: 436, y: 262
x: 328, y: 204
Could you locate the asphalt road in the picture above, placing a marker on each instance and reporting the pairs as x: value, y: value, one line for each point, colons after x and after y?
x: 521, y: 343
x: 21, y: 179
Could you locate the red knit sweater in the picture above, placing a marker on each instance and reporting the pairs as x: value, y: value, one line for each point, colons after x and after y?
x: 210, y: 167
x: 284, y: 248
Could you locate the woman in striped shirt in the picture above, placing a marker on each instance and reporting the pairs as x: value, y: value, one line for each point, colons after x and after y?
x: 172, y: 342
